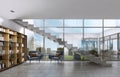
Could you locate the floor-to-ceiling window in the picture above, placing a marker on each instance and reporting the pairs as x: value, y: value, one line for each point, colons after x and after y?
x: 85, y: 34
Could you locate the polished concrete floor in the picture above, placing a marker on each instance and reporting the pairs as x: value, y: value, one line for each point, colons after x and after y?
x: 64, y: 69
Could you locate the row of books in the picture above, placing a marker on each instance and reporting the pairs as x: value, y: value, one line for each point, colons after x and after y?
x: 2, y: 29
x: 12, y: 52
x: 1, y: 37
x: 11, y: 32
x: 2, y: 52
x: 1, y: 44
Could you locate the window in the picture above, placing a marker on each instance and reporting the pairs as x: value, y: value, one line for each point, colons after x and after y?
x: 110, y: 22
x: 73, y: 22
x: 38, y: 23
x: 93, y: 22
x: 53, y: 23
x: 73, y: 30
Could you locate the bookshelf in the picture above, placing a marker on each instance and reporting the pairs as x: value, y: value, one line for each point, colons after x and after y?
x: 13, y: 48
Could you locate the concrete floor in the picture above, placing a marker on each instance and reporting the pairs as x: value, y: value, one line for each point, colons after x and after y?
x: 65, y: 69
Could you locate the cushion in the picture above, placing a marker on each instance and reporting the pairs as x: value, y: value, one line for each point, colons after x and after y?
x: 33, y: 55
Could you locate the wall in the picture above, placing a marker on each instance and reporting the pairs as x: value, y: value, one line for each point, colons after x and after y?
x: 30, y: 39
x: 13, y: 26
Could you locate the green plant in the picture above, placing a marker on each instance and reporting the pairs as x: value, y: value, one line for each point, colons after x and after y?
x: 12, y: 56
x: 60, y: 48
x: 93, y: 52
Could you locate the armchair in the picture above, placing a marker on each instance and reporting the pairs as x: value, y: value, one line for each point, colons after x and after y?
x: 34, y: 55
x: 59, y: 56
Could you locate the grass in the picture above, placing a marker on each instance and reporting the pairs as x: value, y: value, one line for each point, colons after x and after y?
x: 68, y: 57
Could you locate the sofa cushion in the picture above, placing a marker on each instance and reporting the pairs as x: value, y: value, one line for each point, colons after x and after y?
x: 33, y: 54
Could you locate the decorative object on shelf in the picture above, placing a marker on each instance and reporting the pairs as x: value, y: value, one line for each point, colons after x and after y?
x: 17, y: 51
x: 11, y: 32
x: 22, y: 45
x: 2, y: 52
x: 2, y: 29
x: 1, y: 37
x: 11, y: 40
x: 23, y: 36
x: 17, y: 44
x: 1, y: 44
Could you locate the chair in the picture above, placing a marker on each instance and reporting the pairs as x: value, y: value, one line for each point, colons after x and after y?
x: 31, y: 56
x: 58, y: 58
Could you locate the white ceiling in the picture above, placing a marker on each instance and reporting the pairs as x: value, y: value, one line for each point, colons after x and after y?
x: 60, y: 9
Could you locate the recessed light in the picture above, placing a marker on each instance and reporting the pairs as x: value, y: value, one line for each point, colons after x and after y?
x: 12, y: 11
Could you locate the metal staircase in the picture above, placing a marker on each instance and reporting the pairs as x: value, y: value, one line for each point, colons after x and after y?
x: 92, y: 58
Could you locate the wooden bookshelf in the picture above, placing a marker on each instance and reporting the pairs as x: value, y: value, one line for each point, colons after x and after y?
x: 13, y: 48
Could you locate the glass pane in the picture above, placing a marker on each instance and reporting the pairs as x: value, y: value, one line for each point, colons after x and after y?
x: 93, y: 30
x: 93, y: 22
x: 38, y: 22
x: 38, y: 40
x: 73, y: 30
x: 73, y: 22
x: 110, y: 22
x: 118, y: 22
x: 54, y: 22
x: 91, y: 36
x: 74, y: 39
x: 54, y: 30
x: 51, y: 45
x: 109, y: 31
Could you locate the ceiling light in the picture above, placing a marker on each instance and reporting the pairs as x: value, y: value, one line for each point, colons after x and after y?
x: 12, y: 11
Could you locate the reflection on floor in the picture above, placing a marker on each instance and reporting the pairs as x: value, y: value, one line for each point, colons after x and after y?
x: 64, y: 69
x: 115, y: 58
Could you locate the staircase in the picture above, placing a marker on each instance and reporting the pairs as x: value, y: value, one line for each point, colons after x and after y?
x: 92, y: 58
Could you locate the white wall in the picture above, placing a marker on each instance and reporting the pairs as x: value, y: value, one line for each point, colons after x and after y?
x: 30, y: 39
x: 14, y: 26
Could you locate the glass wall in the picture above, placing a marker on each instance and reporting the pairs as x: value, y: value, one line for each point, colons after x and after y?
x: 85, y: 34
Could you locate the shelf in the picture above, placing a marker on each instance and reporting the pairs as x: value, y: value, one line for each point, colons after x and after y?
x: 1, y: 32
x: 3, y: 41
x: 14, y: 42
x: 13, y: 35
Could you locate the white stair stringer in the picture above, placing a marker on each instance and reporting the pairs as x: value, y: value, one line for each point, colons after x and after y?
x: 47, y: 35
x: 98, y: 60
x: 95, y: 59
x: 91, y: 58
x: 53, y: 38
x: 36, y: 29
x: 74, y: 49
x: 40, y: 32
x: 69, y: 46
x: 31, y: 27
